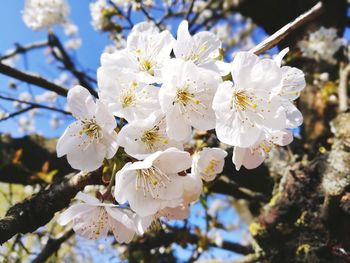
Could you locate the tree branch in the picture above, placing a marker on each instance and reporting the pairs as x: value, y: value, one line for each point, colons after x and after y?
x: 34, y: 105
x: 278, y: 36
x: 39, y: 209
x: 19, y: 112
x: 22, y: 49
x: 64, y: 57
x: 32, y: 79
x: 52, y: 246
x: 182, y: 236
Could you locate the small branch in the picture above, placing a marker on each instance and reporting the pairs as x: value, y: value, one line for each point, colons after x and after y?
x: 278, y: 36
x: 14, y: 114
x: 344, y: 71
x: 32, y: 79
x: 64, y: 57
x: 51, y: 247
x: 35, y: 105
x: 22, y: 49
x: 40, y: 208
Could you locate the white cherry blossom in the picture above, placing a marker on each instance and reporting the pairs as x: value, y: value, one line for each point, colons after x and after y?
x: 321, y: 44
x: 186, y: 98
x: 39, y: 14
x: 146, y: 52
x: 125, y: 97
x: 247, y: 106
x: 208, y: 163
x: 293, y: 82
x: 142, y: 137
x: 93, y: 219
x: 255, y: 155
x: 202, y: 49
x: 154, y: 183
x: 91, y: 138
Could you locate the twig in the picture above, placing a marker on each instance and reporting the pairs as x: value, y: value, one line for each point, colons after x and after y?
x: 14, y: 114
x: 32, y: 79
x: 52, y: 246
x: 35, y: 105
x: 22, y: 49
x: 64, y: 57
x: 344, y: 71
x: 278, y: 36
x: 189, y: 11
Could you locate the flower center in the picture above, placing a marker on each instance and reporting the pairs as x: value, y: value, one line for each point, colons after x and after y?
x: 211, y: 167
x: 147, y: 65
x: 183, y: 96
x: 91, y: 129
x: 151, y: 180
x: 152, y: 136
x: 242, y: 101
x: 127, y: 97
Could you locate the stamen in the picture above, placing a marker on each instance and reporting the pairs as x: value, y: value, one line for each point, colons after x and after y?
x: 151, y: 180
x: 210, y: 169
x: 242, y: 101
x: 153, y: 136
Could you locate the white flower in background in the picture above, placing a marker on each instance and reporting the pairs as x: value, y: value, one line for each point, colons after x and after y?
x: 154, y: 183
x: 23, y: 96
x: 144, y: 55
x: 142, y: 137
x: 93, y: 219
x: 186, y: 98
x: 3, y: 114
x: 73, y: 43
x: 99, y: 19
x: 47, y: 96
x: 70, y: 29
x: 252, y: 157
x: 39, y: 14
x: 124, y: 96
x: 208, y: 163
x: 321, y: 45
x: 247, y: 106
x: 293, y: 82
x: 223, y: 32
x: 26, y: 125
x: 91, y: 138
x: 202, y: 49
x: 55, y: 121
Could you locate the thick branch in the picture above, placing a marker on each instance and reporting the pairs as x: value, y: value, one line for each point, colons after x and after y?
x: 39, y: 209
x: 277, y: 37
x: 32, y: 79
x: 182, y: 236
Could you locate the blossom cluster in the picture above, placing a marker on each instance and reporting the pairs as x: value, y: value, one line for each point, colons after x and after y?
x: 163, y: 89
x: 321, y: 44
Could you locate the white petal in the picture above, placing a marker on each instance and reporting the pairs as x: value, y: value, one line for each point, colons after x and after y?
x: 87, y: 158
x: 72, y: 212
x: 242, y: 65
x: 92, y: 224
x: 278, y: 59
x: 70, y: 139
x: 89, y: 199
x: 81, y: 103
x: 172, y: 161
